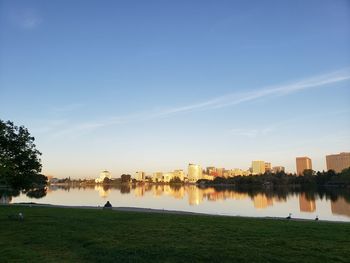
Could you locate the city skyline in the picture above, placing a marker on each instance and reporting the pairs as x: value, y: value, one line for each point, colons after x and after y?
x: 150, y: 87
x: 337, y: 163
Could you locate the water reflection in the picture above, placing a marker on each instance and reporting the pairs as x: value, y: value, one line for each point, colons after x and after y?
x: 261, y: 201
x: 341, y: 207
x: 102, y: 190
x: 304, y: 203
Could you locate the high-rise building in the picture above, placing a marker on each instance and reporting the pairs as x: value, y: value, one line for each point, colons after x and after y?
x: 140, y: 176
x: 258, y: 167
x: 194, y: 172
x: 303, y: 163
x: 338, y: 162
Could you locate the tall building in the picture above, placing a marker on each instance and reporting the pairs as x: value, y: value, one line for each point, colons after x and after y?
x: 194, y: 172
x: 140, y: 176
x: 338, y: 162
x: 258, y: 167
x: 303, y: 163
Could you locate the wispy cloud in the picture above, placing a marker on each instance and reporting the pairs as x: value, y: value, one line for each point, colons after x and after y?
x: 266, y: 92
x: 220, y: 102
x: 26, y: 18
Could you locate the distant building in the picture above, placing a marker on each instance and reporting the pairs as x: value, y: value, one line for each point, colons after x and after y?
x: 220, y: 171
x: 267, y: 167
x: 194, y: 173
x: 104, y: 174
x: 167, y: 177
x: 303, y: 163
x: 278, y: 169
x: 338, y: 162
x: 211, y: 171
x: 180, y: 174
x: 258, y: 167
x: 157, y: 177
x: 208, y: 177
x: 140, y: 176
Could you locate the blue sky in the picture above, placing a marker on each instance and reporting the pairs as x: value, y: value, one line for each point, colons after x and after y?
x: 154, y: 85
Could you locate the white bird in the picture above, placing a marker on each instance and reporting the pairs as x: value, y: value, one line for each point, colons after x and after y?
x: 20, y: 216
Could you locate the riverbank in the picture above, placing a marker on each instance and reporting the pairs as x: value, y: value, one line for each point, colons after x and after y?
x: 164, y: 211
x: 54, y: 234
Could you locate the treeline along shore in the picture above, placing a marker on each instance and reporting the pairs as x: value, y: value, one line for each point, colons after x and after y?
x: 309, y: 178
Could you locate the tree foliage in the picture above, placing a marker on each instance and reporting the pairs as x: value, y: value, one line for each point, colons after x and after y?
x: 309, y: 177
x: 125, y: 178
x: 20, y: 165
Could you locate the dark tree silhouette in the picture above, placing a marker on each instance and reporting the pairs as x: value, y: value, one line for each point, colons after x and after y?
x: 20, y: 165
x: 125, y: 178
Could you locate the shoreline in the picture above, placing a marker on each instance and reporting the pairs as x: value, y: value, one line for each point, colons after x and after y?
x: 165, y: 211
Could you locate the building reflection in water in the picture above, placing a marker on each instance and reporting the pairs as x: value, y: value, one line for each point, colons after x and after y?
x: 195, y: 195
x: 340, y: 207
x: 4, y: 199
x: 306, y: 204
x: 103, y: 191
x: 140, y: 191
x: 261, y: 201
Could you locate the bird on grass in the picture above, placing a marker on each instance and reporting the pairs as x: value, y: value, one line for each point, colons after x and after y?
x: 289, y: 217
x: 316, y: 218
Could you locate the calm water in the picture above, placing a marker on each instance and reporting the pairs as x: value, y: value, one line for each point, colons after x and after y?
x: 327, y: 204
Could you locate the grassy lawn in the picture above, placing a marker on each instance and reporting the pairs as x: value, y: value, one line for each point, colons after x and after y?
x: 89, y: 235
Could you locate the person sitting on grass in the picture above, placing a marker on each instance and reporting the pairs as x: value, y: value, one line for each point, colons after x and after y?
x: 107, y: 205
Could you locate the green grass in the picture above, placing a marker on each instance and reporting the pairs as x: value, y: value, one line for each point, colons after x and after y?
x: 90, y: 235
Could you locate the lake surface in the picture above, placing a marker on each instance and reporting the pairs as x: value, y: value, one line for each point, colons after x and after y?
x: 333, y: 204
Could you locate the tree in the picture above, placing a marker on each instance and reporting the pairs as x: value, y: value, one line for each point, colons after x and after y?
x: 125, y: 178
x: 175, y: 180
x: 20, y: 165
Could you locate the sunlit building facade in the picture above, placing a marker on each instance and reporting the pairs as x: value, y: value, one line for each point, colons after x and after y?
x: 338, y: 162
x: 194, y: 172
x: 157, y: 177
x: 303, y: 163
x: 140, y: 176
x: 258, y: 167
x: 180, y: 174
x: 167, y: 177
